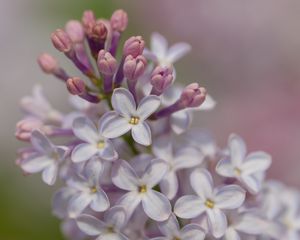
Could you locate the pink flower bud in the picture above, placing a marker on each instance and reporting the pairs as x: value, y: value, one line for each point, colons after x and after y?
x: 47, y: 63
x: 193, y: 95
x: 134, y: 67
x: 134, y: 46
x: 75, y: 31
x: 76, y: 86
x: 162, y: 78
x: 99, y: 31
x: 88, y: 21
x: 119, y: 20
x: 107, y: 64
x: 61, y: 41
x: 25, y: 127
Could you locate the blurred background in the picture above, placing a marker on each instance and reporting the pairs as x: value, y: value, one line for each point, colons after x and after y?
x: 246, y: 53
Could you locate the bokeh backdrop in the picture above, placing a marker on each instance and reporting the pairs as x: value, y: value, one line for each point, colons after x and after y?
x: 247, y: 54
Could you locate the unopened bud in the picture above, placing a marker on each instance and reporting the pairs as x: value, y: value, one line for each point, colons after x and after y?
x: 47, y: 63
x: 75, y: 31
x: 134, y: 67
x: 99, y: 31
x: 88, y: 21
x: 76, y: 86
x: 161, y: 78
x: 119, y: 20
x: 107, y: 64
x: 25, y: 127
x: 61, y: 41
x: 192, y: 95
x: 134, y: 46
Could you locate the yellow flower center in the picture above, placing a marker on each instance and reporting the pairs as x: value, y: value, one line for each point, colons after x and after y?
x: 209, y: 203
x: 93, y: 189
x: 110, y: 230
x: 143, y: 189
x: 55, y: 156
x: 101, y: 144
x: 176, y: 238
x: 134, y: 120
x: 237, y: 171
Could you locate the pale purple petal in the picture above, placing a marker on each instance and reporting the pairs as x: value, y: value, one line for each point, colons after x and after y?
x: 156, y: 205
x: 180, y: 121
x: 108, y: 152
x: 202, y: 183
x: 159, y: 45
x: 49, y: 174
x: 123, y: 102
x: 129, y: 202
x: 160, y: 238
x: 170, y: 227
x: 169, y: 185
x: 36, y: 164
x: 124, y: 177
x: 189, y: 206
x: 177, y: 51
x: 187, y: 158
x: 192, y: 232
x: 231, y: 234
x: 83, y: 152
x: 90, y: 225
x: 100, y: 202
x: 237, y: 150
x: 217, y: 222
x: 41, y: 143
x: 154, y: 173
x: 252, y: 183
x: 92, y: 170
x: 225, y: 168
x: 162, y: 148
x: 230, y: 197
x: 147, y: 106
x: 116, y: 216
x: 113, y: 125
x: 60, y: 201
x: 256, y: 162
x: 141, y: 133
x: 78, y: 203
x: 251, y: 225
x: 85, y: 130
x: 112, y: 236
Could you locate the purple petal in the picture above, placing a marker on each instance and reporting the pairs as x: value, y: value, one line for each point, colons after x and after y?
x: 123, y: 102
x: 141, y: 133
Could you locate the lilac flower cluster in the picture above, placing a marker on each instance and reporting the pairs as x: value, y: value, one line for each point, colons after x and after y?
x: 128, y: 165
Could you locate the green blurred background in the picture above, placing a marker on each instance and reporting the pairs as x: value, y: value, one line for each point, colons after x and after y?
x: 247, y: 54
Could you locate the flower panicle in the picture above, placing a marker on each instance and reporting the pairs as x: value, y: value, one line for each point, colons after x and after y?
x: 130, y: 163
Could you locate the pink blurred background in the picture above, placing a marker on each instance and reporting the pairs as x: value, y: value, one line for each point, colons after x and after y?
x: 247, y: 54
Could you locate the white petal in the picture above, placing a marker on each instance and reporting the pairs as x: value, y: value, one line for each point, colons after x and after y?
x: 230, y: 197
x: 116, y: 216
x: 124, y: 177
x: 141, y: 133
x: 180, y: 121
x: 170, y: 227
x: 112, y: 236
x: 78, y: 203
x: 108, y: 153
x: 237, y: 149
x: 154, y: 173
x: 169, y: 185
x: 202, y: 183
x: 208, y: 104
x: 189, y: 206
x: 36, y: 164
x: 192, y: 232
x: 252, y: 183
x: 83, y: 152
x: 147, y: 106
x: 159, y: 45
x: 92, y: 170
x: 162, y: 148
x: 251, y: 225
x: 256, y: 162
x: 85, y: 130
x: 41, y: 143
x: 129, y: 202
x: 231, y: 234
x: 156, y: 205
x: 100, y: 202
x: 217, y: 222
x: 225, y: 168
x: 177, y: 51
x: 90, y: 225
x: 187, y: 158
x: 123, y: 102
x: 114, y: 126
x: 49, y: 174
